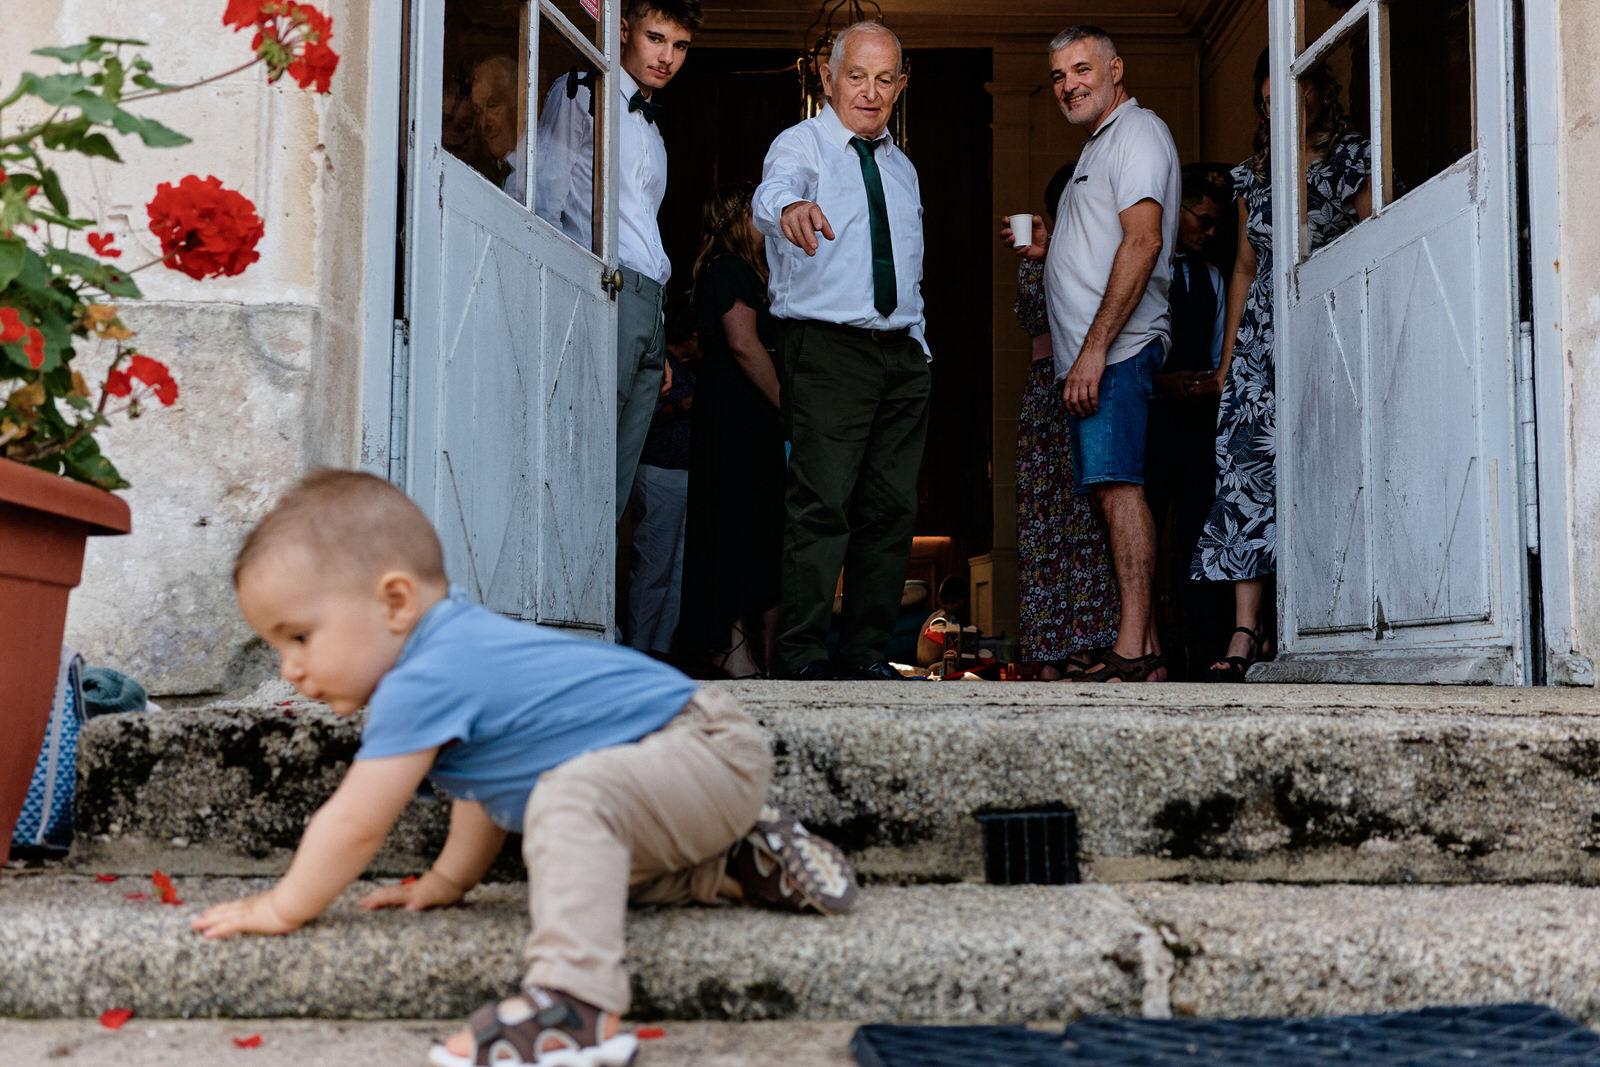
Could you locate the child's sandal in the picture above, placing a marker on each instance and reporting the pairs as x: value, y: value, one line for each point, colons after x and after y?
x: 540, y: 1028
x: 782, y: 864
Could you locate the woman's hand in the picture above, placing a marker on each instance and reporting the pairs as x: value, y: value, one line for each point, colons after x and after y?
x: 250, y: 915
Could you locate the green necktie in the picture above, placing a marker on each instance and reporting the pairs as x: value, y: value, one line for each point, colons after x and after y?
x: 884, y: 292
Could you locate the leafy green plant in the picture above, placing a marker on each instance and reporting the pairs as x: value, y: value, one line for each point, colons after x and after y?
x: 60, y: 287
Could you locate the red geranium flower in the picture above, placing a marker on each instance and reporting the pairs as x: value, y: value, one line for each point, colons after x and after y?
x: 313, y: 68
x: 101, y: 243
x: 205, y: 230
x: 12, y: 328
x: 33, y: 348
x: 159, y: 379
x: 242, y: 13
x: 118, y: 383
x: 163, y: 884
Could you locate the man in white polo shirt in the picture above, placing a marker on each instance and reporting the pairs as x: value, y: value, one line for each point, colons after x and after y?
x: 655, y: 42
x: 1106, y: 275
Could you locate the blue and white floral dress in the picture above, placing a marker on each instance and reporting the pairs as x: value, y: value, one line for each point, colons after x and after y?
x: 1240, y: 538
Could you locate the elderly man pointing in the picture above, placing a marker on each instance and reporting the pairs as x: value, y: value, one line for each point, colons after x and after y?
x: 842, y: 211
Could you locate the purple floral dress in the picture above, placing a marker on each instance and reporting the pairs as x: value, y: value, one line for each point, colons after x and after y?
x: 1068, y: 597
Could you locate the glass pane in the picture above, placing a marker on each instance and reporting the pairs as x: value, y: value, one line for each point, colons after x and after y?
x: 1431, y: 114
x: 1335, y: 139
x: 1317, y: 17
x: 565, y: 155
x: 485, y: 79
x: 584, y: 15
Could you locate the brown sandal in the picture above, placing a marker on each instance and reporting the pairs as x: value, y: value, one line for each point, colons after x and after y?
x: 1078, y: 664
x: 541, y: 1026
x: 781, y: 864
x: 1113, y: 668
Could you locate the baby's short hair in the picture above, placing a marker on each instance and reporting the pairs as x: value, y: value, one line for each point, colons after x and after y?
x: 352, y: 523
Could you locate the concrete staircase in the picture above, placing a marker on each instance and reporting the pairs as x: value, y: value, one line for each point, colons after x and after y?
x: 1445, y: 841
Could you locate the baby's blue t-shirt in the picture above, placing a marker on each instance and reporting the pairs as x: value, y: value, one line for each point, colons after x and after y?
x: 506, y: 701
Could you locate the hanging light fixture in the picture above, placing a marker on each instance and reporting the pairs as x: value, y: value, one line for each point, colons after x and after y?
x: 847, y: 13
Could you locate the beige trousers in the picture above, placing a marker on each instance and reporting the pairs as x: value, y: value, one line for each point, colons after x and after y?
x: 649, y: 822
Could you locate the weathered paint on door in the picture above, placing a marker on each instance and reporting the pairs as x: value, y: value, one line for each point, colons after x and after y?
x: 510, y: 407
x: 1401, y: 553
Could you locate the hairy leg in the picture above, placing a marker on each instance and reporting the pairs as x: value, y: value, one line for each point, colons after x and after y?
x: 1133, y: 560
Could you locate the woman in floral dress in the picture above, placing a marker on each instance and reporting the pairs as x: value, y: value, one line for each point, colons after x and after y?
x: 1239, y: 543
x: 1068, y: 598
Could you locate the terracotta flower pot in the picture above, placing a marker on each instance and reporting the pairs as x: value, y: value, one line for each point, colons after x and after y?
x: 44, y: 521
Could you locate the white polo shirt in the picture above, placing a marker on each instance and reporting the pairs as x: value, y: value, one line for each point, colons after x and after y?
x: 1130, y: 158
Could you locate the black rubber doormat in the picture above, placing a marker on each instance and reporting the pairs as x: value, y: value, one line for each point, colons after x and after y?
x: 1499, y: 1034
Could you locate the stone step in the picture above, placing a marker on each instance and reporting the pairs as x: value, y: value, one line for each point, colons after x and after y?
x: 76, y: 946
x: 1393, y: 784
x: 953, y: 954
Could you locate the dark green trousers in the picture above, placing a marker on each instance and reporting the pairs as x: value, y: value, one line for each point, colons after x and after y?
x: 856, y: 413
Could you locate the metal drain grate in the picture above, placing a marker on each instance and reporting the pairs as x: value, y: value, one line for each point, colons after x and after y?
x: 1038, y: 846
x: 1501, y: 1035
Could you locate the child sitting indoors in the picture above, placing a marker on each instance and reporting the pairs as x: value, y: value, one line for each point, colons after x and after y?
x: 627, y: 781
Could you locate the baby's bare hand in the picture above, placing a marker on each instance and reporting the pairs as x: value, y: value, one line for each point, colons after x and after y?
x: 250, y: 915
x: 425, y: 892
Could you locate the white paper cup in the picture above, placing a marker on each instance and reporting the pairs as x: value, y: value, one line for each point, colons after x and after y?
x: 1021, y: 230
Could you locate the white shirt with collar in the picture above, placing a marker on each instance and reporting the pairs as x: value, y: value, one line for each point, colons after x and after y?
x: 563, y: 191
x: 814, y: 161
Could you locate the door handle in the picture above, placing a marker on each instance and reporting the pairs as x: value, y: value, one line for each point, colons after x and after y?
x: 612, y: 281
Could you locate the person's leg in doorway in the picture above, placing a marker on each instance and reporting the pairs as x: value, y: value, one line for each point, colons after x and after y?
x: 641, y: 355
x: 1108, y: 462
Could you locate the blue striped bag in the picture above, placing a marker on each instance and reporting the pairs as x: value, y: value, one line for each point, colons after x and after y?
x: 46, y: 819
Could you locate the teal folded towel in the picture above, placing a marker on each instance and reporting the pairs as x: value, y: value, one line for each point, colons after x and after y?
x: 106, y: 691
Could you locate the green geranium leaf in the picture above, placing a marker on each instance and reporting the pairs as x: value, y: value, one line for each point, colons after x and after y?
x: 98, y: 144
x: 52, y: 191
x: 156, y: 135
x: 57, y: 89
x: 95, y: 107
x: 35, y: 272
x: 76, y: 53
x: 84, y: 462
x: 114, y: 282
x: 112, y: 78
x: 13, y: 253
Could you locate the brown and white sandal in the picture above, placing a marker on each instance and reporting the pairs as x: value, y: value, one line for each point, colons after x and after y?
x: 783, y: 865
x: 541, y: 1027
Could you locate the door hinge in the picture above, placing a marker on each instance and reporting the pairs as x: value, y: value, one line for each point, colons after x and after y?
x: 399, y: 398
x: 1527, y: 438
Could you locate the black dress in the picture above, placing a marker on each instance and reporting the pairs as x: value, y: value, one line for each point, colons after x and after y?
x: 736, y: 471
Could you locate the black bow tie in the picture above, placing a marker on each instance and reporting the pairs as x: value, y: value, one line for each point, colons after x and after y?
x: 637, y: 102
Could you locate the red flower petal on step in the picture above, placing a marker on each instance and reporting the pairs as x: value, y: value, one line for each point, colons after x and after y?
x: 164, y: 888
x: 105, y: 878
x: 253, y: 1041
x: 408, y: 879
x: 113, y: 1018
x: 133, y: 896
x: 649, y: 1033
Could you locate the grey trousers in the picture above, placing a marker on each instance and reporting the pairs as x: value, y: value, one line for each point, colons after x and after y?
x: 660, y: 514
x: 641, y: 353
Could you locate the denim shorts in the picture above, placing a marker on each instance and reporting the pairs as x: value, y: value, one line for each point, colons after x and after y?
x: 1108, y: 446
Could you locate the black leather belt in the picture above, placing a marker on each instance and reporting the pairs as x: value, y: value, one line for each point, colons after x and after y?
x: 881, y: 336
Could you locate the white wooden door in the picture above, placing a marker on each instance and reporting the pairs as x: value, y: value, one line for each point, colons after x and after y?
x: 509, y: 412
x: 1401, y: 548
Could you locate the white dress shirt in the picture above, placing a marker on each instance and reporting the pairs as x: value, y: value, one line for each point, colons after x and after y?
x: 563, y: 191
x: 814, y: 161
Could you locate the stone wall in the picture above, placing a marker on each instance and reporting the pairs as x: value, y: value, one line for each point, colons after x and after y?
x: 268, y: 363
x: 1578, y: 268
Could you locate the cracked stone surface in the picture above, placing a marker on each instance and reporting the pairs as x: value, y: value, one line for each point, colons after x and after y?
x: 1204, y: 782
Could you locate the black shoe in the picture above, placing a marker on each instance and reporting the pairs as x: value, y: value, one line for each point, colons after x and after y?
x: 815, y: 671
x: 880, y: 671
